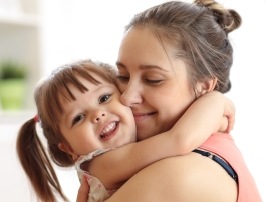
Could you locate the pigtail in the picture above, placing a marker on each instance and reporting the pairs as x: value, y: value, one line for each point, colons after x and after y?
x: 36, y: 163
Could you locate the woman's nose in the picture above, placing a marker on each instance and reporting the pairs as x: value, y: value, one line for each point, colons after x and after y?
x: 131, y: 95
x: 98, y: 116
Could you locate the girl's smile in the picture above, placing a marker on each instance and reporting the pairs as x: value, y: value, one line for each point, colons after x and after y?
x: 96, y: 119
x: 108, y: 131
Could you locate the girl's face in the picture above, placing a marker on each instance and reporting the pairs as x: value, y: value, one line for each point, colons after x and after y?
x: 153, y: 84
x: 96, y: 119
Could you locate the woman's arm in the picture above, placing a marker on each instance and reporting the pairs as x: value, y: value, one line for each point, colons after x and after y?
x: 203, y: 118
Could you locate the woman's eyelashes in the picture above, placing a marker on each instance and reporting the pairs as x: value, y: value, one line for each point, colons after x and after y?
x: 154, y: 81
x: 151, y: 81
x: 122, y: 78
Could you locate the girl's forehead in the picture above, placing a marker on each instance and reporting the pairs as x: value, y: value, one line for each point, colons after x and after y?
x: 67, y: 91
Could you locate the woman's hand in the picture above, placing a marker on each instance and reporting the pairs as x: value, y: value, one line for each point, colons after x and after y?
x: 83, y: 191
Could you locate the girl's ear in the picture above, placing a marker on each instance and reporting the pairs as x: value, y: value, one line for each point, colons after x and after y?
x: 205, y: 86
x: 67, y: 149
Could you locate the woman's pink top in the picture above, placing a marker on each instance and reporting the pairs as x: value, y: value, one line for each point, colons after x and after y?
x: 224, y: 146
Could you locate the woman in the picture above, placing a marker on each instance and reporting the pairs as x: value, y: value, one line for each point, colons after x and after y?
x: 170, y: 55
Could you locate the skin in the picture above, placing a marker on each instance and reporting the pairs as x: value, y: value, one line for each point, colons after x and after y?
x: 147, y: 73
x: 195, y: 179
x: 154, y: 86
x: 143, y: 90
x: 94, y: 112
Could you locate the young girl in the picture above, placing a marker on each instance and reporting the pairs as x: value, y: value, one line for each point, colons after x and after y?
x: 81, y: 117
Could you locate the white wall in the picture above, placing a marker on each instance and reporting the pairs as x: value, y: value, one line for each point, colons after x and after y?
x: 76, y: 29
x: 81, y: 29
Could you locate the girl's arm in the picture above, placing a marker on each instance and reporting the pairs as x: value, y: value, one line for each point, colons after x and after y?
x: 203, y: 118
x: 210, y: 113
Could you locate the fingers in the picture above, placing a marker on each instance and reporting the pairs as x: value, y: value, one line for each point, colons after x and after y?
x: 231, y: 122
x: 229, y: 113
x: 83, y: 191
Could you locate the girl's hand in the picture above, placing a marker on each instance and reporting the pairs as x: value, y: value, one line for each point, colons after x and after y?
x: 229, y: 113
x: 83, y: 191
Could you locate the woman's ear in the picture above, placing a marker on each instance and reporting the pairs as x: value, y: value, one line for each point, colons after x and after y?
x: 67, y: 149
x: 205, y: 86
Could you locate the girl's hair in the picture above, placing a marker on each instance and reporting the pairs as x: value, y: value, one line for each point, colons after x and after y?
x: 197, y: 34
x: 32, y: 154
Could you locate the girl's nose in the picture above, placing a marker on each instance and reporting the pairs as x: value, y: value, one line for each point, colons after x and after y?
x: 98, y: 117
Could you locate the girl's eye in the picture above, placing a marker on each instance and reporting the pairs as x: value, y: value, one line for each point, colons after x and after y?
x: 77, y: 118
x: 104, y: 98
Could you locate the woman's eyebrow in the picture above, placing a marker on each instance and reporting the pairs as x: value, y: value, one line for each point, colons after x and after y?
x: 145, y: 67
x: 120, y: 65
x: 142, y: 67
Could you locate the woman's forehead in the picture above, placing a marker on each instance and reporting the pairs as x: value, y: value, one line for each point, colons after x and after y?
x: 143, y: 47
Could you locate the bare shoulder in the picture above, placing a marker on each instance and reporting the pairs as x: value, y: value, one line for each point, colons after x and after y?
x: 184, y: 178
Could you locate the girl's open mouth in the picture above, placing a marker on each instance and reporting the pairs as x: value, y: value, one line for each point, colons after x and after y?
x: 108, y: 130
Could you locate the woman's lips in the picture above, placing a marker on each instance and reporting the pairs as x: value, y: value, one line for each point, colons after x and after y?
x: 141, y: 117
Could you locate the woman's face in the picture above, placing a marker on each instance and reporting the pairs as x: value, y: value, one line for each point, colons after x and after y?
x: 153, y: 83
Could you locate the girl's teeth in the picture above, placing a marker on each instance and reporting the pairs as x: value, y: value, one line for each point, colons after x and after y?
x: 107, y: 129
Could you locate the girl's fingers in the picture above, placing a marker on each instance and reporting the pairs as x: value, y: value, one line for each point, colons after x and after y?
x: 83, y: 190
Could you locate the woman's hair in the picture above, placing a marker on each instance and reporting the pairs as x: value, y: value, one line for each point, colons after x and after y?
x: 32, y: 154
x: 198, y: 34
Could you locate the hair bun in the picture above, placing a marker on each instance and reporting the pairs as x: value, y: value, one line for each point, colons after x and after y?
x: 228, y: 19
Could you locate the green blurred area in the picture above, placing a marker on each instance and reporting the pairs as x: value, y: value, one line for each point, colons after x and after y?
x: 12, y: 94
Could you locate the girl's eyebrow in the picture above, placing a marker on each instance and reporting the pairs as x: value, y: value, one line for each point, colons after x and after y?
x: 68, y: 111
x: 142, y: 67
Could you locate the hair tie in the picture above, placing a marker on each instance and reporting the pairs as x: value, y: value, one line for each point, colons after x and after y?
x: 36, y: 118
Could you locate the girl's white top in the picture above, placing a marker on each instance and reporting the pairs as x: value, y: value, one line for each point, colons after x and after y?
x: 98, y: 192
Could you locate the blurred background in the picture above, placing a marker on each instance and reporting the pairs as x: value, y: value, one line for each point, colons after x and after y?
x: 36, y: 36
